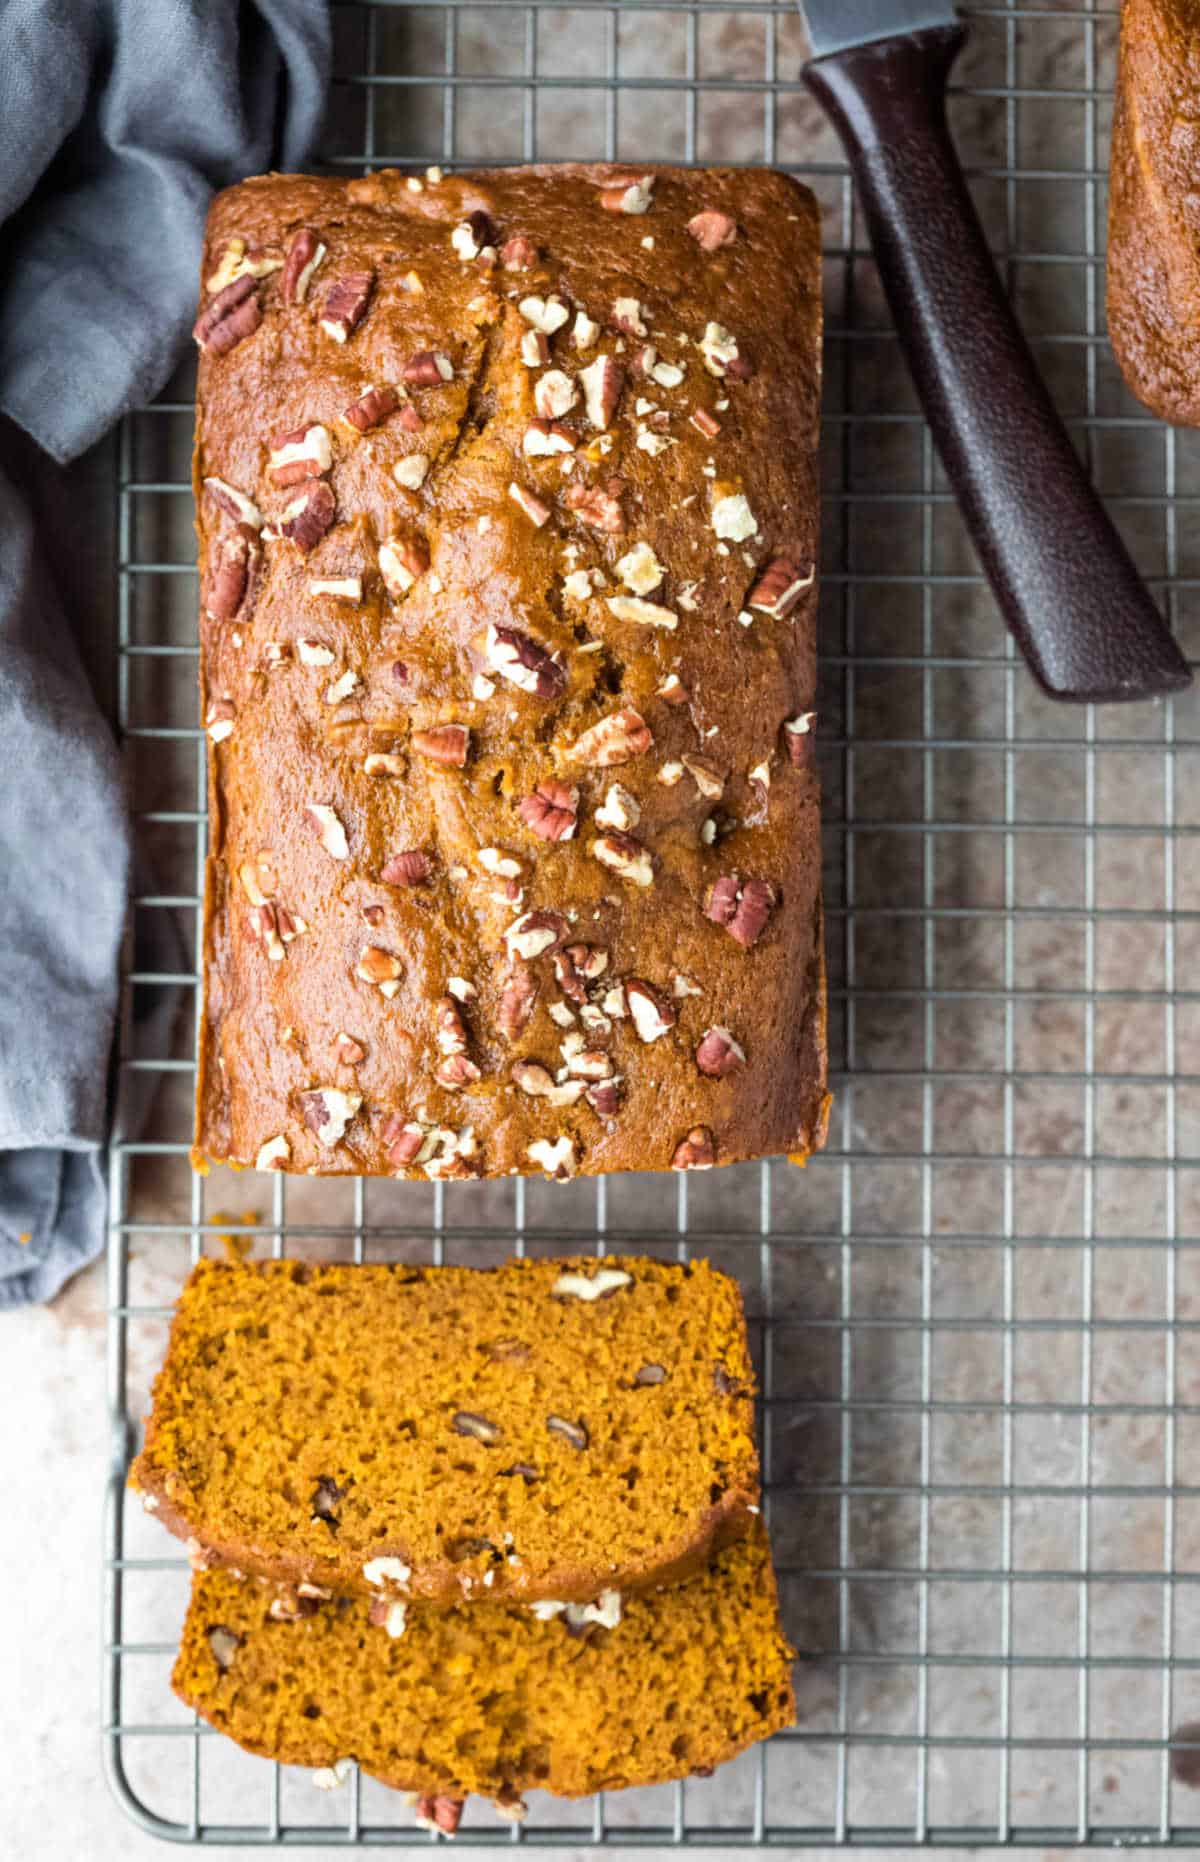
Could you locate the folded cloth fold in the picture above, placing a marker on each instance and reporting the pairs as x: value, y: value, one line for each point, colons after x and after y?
x: 118, y: 118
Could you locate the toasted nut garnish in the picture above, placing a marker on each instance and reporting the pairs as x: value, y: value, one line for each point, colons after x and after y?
x: 535, y: 349
x: 480, y: 1428
x: 535, y: 508
x: 799, y: 737
x: 573, y: 1432
x: 232, y: 315
x: 706, y: 776
x: 605, y: 1098
x: 640, y: 569
x: 347, y: 1051
x: 401, y: 561
x: 718, y: 348
x: 718, y: 1053
x: 517, y: 1000
x: 695, y: 1152
x: 273, y: 1155
x: 627, y: 317
x: 445, y: 743
x: 381, y: 968
x: 518, y: 254
x: 383, y: 763
x: 597, y: 1286
x: 551, y: 811
x: 327, y: 1111
x: 546, y: 314
x: 219, y: 719
x: 619, y: 809
x: 330, y: 831
x: 411, y: 471
x: 341, y: 588
x: 653, y: 1013
x: 544, y: 439
x: 402, y: 1141
x: 556, y: 1158
x: 229, y: 573
x: 234, y: 503
x: 628, y: 196
x: 554, y: 394
x: 650, y: 1374
x: 346, y: 304
x: 742, y: 906
x: 534, y: 933
x: 705, y: 423
x: 597, y: 506
x: 780, y: 585
x: 429, y: 368
x: 303, y: 257
x: 625, y: 856
x: 372, y: 407
x: 455, y: 1072
x: 524, y: 662
x: 411, y: 868
x: 224, y: 1645
x: 733, y: 519
x: 618, y: 738
x: 602, y: 381
x: 303, y: 453
x: 438, y: 1812
x: 576, y: 966
x: 306, y: 519
x: 473, y: 236
x: 673, y: 691
x: 711, y: 229
x: 642, y: 613
x: 539, y: 1083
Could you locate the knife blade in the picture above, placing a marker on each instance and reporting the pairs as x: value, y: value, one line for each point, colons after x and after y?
x: 835, y: 25
x: 1062, y: 577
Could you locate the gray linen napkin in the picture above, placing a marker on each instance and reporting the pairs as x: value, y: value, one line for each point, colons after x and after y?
x: 118, y: 118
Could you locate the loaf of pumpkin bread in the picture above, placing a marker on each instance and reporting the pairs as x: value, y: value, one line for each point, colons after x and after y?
x: 1154, y: 207
x: 551, y: 1429
x: 507, y: 510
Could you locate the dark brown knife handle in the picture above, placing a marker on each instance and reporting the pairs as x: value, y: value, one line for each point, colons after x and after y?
x: 1065, y: 582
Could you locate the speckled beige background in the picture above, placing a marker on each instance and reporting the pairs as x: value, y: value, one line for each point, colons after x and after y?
x: 999, y: 877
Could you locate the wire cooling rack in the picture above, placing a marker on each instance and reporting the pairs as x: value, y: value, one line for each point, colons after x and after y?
x: 975, y: 1316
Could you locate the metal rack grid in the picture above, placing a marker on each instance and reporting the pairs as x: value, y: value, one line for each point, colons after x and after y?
x: 975, y: 1316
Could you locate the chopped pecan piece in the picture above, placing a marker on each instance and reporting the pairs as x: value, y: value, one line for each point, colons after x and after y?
x: 625, y: 856
x: 598, y: 506
x: 473, y: 236
x: 444, y: 743
x: 780, y: 587
x: 411, y: 471
x: 372, y: 407
x: 546, y: 439
x: 401, y: 561
x: 306, y: 519
x: 554, y: 1156
x: 228, y: 575
x: 303, y: 257
x: 346, y: 303
x: 546, y: 314
x: 535, y: 933
x: 401, y: 1141
x: 517, y: 1000
x: 554, y: 394
x: 232, y: 315
x: 455, y: 1072
x: 573, y: 1432
x: 618, y: 738
x: 602, y: 381
x: 537, y: 1082
x: 653, y: 1013
x: 521, y: 660
x: 619, y: 809
x: 518, y: 254
x: 330, y: 831
x: 627, y: 317
x: 234, y: 503
x: 383, y: 763
x: 219, y: 719
x: 712, y: 230
x: 274, y: 1154
x: 411, y: 868
x: 327, y: 1111
x: 628, y: 196
x: 742, y: 906
x: 577, y: 965
x: 551, y: 811
x: 799, y: 738
x: 303, y: 453
x: 428, y: 369
x: 536, y: 509
x: 673, y: 691
x: 639, y: 613
x: 438, y: 1812
x: 479, y: 1428
x: 347, y: 1051
x: 697, y: 1151
x: 707, y: 777
x: 705, y: 423
x: 718, y: 1053
x: 381, y: 968
x: 604, y: 1098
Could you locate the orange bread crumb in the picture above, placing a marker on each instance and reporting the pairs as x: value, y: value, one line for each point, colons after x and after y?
x: 547, y: 1429
x: 486, y: 1698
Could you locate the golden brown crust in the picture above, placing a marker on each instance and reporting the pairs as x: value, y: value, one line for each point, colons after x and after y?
x: 1154, y: 207
x: 302, y: 993
x: 284, y: 1383
x: 486, y: 1699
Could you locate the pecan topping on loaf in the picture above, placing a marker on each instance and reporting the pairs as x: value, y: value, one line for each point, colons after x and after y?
x: 598, y: 506
x: 551, y: 811
x: 719, y: 1054
x: 779, y: 587
x: 346, y: 303
x: 306, y: 519
x: 711, y: 229
x: 372, y: 407
x: 518, y: 254
x: 445, y: 743
x: 695, y: 1152
x: 303, y: 257
x: 798, y: 737
x: 617, y: 738
x: 327, y: 1111
x: 520, y: 659
x: 233, y: 314
x: 742, y: 906
x: 303, y: 453
x: 428, y: 369
x: 652, y: 1012
x: 411, y: 868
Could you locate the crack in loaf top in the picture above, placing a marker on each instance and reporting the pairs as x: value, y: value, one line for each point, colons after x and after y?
x: 507, y: 510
